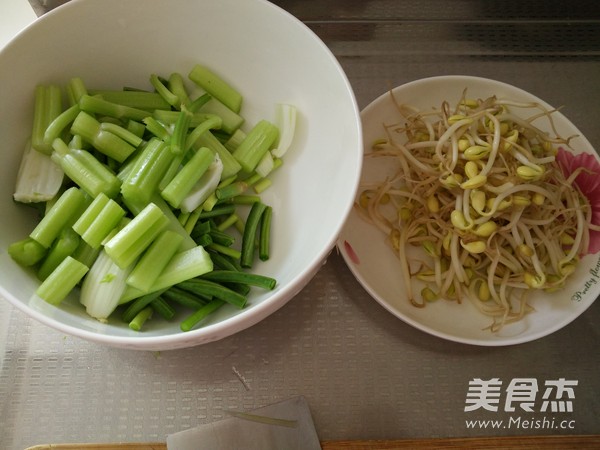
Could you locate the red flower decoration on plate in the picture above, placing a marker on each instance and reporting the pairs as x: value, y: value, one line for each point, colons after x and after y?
x: 588, y: 182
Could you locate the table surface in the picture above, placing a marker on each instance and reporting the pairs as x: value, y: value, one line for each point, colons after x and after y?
x: 365, y: 373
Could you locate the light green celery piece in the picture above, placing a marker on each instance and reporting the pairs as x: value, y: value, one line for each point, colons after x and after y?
x: 147, y: 172
x: 98, y: 220
x: 164, y: 91
x: 204, y: 187
x: 103, y: 286
x: 97, y: 105
x: 128, y: 136
x: 154, y: 260
x: 60, y: 123
x: 235, y: 140
x: 104, y: 141
x: 174, y: 224
x: 177, y: 87
x: 183, y: 182
x: 75, y: 90
x: 212, y: 122
x: 231, y: 120
x: 134, y: 99
x: 48, y: 106
x: 85, y: 170
x: 183, y: 266
x: 285, y: 121
x: 137, y: 128
x: 86, y: 254
x: 39, y: 178
x: 64, y: 212
x: 55, y: 288
x: 180, y: 131
x: 216, y: 86
x: 265, y: 165
x: 230, y: 165
x: 131, y: 241
x: 27, y: 252
x: 64, y: 245
x: 258, y: 141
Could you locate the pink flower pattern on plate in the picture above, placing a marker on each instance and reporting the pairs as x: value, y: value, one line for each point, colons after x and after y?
x: 588, y: 182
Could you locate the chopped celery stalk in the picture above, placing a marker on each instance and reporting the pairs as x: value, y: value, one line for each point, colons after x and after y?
x: 177, y: 87
x: 183, y: 266
x: 97, y: 105
x: 185, y: 180
x: 154, y: 260
x: 164, y: 91
x: 141, y: 318
x: 180, y: 131
x: 86, y: 254
x: 192, y: 320
x: 85, y: 170
x: 157, y: 128
x: 128, y: 136
x: 250, y: 232
x: 257, y: 143
x: 230, y: 165
x: 48, y: 106
x: 216, y: 86
x: 137, y: 128
x: 231, y: 120
x: 134, y: 99
x: 174, y: 224
x: 202, y: 128
x: 104, y: 141
x: 27, y: 252
x: 147, y: 172
x: 285, y: 121
x: 265, y: 165
x: 262, y: 185
x: 75, y: 90
x: 98, y: 220
x: 103, y: 286
x: 131, y: 241
x: 60, y: 123
x: 55, y: 288
x: 231, y: 190
x: 235, y: 140
x: 39, y: 178
x: 64, y: 212
x: 204, y: 187
x: 199, y: 102
x: 64, y: 245
x: 170, y: 117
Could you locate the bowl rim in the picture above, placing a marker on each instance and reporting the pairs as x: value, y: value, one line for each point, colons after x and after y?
x: 256, y: 313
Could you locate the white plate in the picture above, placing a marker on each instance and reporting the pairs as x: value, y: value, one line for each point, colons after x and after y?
x: 376, y: 267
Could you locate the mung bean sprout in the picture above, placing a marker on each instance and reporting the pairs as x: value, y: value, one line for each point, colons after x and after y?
x: 479, y: 191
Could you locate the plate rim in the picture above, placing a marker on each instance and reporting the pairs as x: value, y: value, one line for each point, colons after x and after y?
x: 348, y: 259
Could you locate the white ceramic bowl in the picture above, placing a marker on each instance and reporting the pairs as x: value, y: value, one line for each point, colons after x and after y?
x: 377, y: 268
x: 269, y: 56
